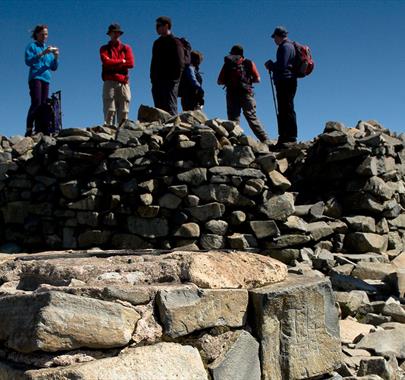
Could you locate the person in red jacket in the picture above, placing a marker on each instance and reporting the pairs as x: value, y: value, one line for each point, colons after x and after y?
x: 117, y: 59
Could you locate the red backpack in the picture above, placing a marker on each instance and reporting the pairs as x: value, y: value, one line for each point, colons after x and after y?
x: 304, y: 64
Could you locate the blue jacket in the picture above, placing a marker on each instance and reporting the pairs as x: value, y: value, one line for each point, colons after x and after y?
x: 282, y: 68
x: 39, y: 66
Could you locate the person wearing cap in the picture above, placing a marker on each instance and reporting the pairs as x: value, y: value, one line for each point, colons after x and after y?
x: 238, y: 75
x: 41, y: 59
x: 285, y: 82
x: 117, y: 59
x: 166, y: 66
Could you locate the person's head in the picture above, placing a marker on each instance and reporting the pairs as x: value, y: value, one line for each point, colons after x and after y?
x: 40, y: 33
x: 163, y: 25
x: 279, y: 35
x: 196, y: 58
x: 115, y: 32
x: 237, y: 50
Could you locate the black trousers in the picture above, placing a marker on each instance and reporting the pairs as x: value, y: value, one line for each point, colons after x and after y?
x: 164, y: 94
x: 287, y: 121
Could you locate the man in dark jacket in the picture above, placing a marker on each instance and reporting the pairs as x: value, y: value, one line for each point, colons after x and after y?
x: 166, y: 66
x: 238, y: 75
x: 286, y: 85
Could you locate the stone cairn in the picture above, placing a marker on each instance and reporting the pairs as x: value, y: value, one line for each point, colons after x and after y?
x: 179, y: 248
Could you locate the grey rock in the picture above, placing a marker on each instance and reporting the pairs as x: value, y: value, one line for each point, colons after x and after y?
x: 268, y: 162
x: 264, y: 228
x: 93, y: 238
x: 240, y: 361
x: 88, y: 203
x: 185, y: 310
x: 230, y: 171
x: 218, y: 227
x: 385, y: 342
x: 149, y: 228
x: 298, y: 320
x: 279, y: 207
x: 242, y: 241
x: 361, y: 223
x: 129, y: 153
x: 170, y: 201
x: 55, y: 321
x: 366, y: 242
x: 208, y: 211
x: 289, y: 240
x: 279, y: 181
x: 128, y: 241
x: 194, y: 176
x: 163, y: 361
x: 395, y: 311
x: 378, y: 366
x: 237, y: 217
x: 212, y: 241
x: 188, y: 230
x: 150, y: 114
x: 319, y: 230
x: 228, y: 195
x: 239, y: 156
x: 373, y: 271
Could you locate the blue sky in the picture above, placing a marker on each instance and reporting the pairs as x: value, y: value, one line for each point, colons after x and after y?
x: 358, y: 47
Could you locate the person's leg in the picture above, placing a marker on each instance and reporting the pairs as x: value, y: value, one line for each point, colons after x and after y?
x: 109, y: 102
x: 172, y: 93
x: 233, y: 106
x: 123, y: 101
x: 291, y: 116
x: 249, y: 111
x: 44, y: 92
x: 287, y: 125
x: 35, y: 86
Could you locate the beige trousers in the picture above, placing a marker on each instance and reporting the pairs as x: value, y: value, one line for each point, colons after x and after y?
x: 116, y: 99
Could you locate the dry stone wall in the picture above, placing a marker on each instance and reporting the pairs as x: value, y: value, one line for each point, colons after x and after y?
x: 162, y: 239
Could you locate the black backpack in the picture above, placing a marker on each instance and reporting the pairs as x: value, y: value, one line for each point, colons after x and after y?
x: 48, y: 117
x: 185, y: 44
x: 238, y: 73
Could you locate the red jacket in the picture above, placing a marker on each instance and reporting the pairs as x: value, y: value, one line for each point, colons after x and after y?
x: 113, y: 57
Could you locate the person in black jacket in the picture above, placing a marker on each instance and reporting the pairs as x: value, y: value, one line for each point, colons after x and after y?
x: 166, y: 66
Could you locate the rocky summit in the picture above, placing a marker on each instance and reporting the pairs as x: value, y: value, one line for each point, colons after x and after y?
x: 180, y: 248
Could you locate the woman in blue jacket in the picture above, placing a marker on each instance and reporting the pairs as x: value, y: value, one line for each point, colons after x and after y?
x: 41, y: 59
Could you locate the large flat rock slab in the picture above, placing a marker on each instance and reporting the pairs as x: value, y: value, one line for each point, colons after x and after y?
x: 56, y: 321
x: 214, y: 269
x: 298, y: 327
x: 188, y: 309
x: 162, y: 361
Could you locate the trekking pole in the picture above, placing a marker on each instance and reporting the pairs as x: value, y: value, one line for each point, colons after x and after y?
x: 274, y: 97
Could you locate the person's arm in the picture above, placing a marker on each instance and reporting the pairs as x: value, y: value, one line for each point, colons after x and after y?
x: 255, y: 73
x: 129, y: 58
x: 284, y: 54
x: 107, y: 61
x: 32, y: 56
x: 54, y: 63
x: 190, y: 75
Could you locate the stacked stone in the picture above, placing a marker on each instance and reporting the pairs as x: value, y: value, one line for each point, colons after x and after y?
x: 163, y: 182
x: 352, y: 180
x: 181, y: 315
